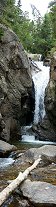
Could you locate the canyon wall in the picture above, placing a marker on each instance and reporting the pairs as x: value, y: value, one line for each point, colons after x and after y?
x: 50, y: 96
x: 16, y: 95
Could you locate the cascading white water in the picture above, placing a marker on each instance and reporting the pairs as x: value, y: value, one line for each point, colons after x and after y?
x: 5, y: 162
x: 40, y: 82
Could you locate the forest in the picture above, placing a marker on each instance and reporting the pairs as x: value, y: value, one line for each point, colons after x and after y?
x: 39, y: 34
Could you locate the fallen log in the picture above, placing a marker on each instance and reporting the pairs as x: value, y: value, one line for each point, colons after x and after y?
x: 16, y: 182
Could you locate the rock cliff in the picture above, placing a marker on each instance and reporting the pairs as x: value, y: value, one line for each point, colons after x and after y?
x: 46, y: 129
x: 50, y: 96
x: 15, y: 84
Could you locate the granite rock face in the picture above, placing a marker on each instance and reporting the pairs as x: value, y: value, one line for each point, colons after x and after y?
x: 15, y: 84
x: 50, y: 95
x: 45, y: 130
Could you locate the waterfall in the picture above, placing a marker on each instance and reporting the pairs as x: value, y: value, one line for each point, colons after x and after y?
x: 40, y: 82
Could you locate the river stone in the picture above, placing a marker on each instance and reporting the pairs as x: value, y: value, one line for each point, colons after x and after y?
x: 39, y: 193
x: 5, y: 147
x: 47, y: 151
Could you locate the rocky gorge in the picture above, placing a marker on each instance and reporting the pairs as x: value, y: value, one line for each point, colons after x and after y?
x: 50, y: 96
x: 16, y: 93
x: 46, y: 129
x: 17, y: 102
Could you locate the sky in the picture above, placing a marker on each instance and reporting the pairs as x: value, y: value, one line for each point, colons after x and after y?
x: 41, y: 5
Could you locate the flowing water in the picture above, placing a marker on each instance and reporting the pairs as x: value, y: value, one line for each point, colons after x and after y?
x: 40, y: 80
x: 5, y: 162
x: 9, y: 169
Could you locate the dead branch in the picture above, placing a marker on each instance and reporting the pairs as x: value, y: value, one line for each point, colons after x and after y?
x: 16, y: 182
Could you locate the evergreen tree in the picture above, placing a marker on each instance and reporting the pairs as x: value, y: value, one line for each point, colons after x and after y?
x: 46, y: 34
x: 52, y: 7
x: 38, y: 35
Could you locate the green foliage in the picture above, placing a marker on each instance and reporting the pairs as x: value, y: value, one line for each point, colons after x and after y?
x: 52, y: 7
x: 46, y: 34
x: 38, y: 35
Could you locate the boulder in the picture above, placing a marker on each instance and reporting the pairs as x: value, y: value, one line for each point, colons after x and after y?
x: 39, y: 193
x: 16, y: 91
x: 47, y: 152
x: 6, y: 148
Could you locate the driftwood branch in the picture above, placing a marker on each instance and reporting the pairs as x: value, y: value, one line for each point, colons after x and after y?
x: 16, y: 182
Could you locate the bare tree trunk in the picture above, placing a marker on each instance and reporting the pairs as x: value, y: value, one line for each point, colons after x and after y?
x: 16, y: 182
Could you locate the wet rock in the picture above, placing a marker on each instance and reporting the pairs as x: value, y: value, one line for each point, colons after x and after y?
x: 39, y: 193
x: 46, y: 62
x: 45, y: 130
x: 5, y: 148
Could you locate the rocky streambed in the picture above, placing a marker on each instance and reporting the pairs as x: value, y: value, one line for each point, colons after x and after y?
x: 39, y: 188
x: 17, y: 104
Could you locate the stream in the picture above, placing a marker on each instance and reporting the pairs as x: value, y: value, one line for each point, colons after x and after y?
x: 40, y: 80
x: 15, y: 163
